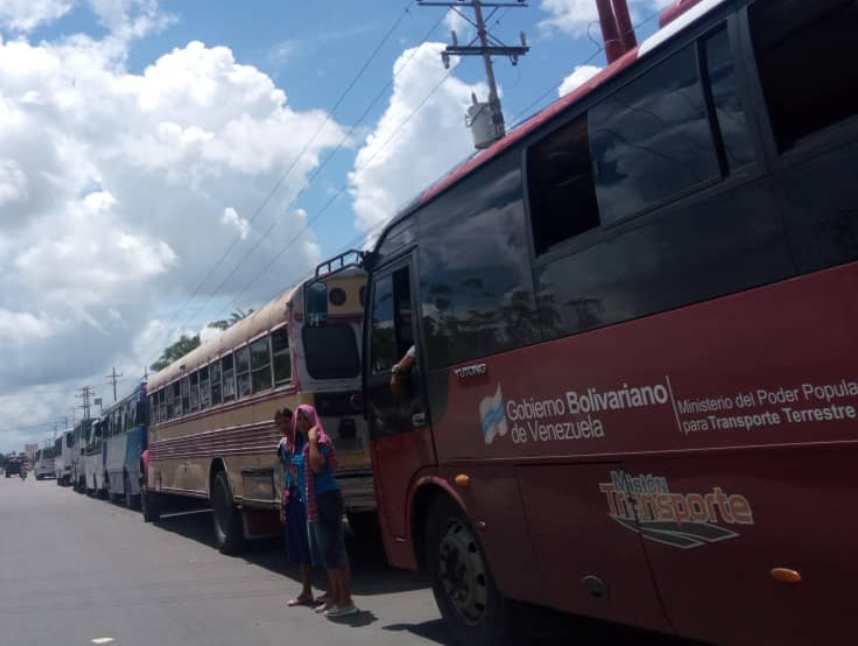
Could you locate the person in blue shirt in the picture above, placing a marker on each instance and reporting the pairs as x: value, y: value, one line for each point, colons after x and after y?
x: 293, y: 511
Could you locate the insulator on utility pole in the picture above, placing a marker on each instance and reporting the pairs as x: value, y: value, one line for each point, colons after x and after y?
x: 484, y: 119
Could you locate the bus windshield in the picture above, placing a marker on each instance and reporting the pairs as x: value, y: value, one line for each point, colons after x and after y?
x: 331, y: 351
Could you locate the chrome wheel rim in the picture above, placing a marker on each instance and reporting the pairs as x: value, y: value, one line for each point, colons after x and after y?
x: 463, y: 573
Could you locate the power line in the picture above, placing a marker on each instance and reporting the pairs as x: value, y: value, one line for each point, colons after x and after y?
x: 285, y: 175
x: 518, y: 120
x: 343, y: 188
x: 488, y: 46
x: 346, y: 138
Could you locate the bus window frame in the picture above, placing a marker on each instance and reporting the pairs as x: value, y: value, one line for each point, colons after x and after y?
x: 288, y: 351
x: 752, y: 102
x: 259, y: 337
x: 407, y: 257
x: 826, y: 140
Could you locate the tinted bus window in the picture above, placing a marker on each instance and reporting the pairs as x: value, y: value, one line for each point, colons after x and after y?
x: 805, y: 55
x: 560, y: 181
x: 331, y: 352
x: 282, y: 356
x: 651, y: 140
x: 228, y: 375
x: 476, y: 285
x: 383, y: 342
x: 732, y: 123
x: 260, y: 360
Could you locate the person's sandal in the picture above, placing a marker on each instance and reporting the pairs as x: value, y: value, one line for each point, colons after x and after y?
x: 299, y: 601
x: 340, y: 612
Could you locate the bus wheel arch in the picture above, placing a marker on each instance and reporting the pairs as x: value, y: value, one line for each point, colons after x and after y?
x: 426, y: 491
x: 475, y: 612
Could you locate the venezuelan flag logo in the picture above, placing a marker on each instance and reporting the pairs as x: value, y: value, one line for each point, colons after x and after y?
x: 492, y: 417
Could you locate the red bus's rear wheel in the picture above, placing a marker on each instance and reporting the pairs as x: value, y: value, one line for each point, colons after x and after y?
x: 470, y: 603
x: 227, y: 519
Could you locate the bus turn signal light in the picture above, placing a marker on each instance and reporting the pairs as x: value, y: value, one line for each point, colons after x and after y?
x: 462, y: 480
x: 785, y: 575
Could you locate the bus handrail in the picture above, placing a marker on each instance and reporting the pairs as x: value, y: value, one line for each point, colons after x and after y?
x: 327, y: 268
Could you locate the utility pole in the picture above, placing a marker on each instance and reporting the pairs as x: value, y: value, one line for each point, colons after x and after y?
x: 488, y: 46
x: 113, y: 378
x: 85, y: 393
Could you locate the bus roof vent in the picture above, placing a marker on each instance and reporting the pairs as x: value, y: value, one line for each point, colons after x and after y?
x: 673, y: 12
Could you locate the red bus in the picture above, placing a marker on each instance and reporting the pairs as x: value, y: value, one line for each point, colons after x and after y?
x: 635, y: 395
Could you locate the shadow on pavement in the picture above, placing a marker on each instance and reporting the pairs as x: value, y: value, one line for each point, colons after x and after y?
x: 372, y: 576
x: 432, y: 630
x: 370, y: 573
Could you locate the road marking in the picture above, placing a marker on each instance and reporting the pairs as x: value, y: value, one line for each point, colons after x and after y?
x: 102, y: 640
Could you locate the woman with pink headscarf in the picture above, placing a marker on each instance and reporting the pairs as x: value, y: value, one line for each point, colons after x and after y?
x: 324, y: 502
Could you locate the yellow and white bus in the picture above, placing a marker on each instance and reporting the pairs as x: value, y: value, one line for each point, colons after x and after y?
x: 212, y: 434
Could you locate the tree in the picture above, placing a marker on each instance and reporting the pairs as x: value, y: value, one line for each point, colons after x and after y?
x: 176, y: 351
x: 187, y: 343
x: 234, y: 317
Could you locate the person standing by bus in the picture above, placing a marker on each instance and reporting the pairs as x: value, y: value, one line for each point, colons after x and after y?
x: 324, y: 503
x: 293, y: 511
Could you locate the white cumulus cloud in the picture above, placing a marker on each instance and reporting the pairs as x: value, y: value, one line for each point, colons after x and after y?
x: 576, y: 79
x: 576, y: 17
x: 26, y: 15
x: 408, y: 150
x: 120, y: 190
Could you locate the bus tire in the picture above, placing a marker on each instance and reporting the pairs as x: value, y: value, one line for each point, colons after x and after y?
x: 151, y: 506
x: 227, y: 519
x: 472, y: 607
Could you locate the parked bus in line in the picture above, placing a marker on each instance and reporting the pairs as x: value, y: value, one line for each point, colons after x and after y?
x: 58, y: 459
x: 213, y: 436
x: 124, y: 443
x: 633, y: 392
x: 43, y: 465
x: 63, y: 461
x: 96, y: 454
x: 80, y: 440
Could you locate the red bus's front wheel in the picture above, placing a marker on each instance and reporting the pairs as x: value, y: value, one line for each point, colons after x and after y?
x: 472, y: 607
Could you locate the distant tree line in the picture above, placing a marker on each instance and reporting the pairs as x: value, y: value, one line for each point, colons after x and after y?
x: 187, y: 343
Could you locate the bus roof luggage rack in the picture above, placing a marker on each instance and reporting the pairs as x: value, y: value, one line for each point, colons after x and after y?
x: 338, y: 263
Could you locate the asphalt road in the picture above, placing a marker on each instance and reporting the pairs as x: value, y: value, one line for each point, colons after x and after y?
x: 76, y: 571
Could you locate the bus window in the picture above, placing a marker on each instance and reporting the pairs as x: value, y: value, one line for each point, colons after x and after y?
x: 729, y: 112
x: 260, y: 361
x: 562, y: 194
x: 173, y: 399
x: 227, y: 365
x: 651, y: 140
x: 162, y: 404
x: 214, y: 378
x: 383, y: 341
x: 331, y: 351
x: 805, y: 53
x: 205, y: 393
x: 242, y: 371
x: 195, y: 391
x: 186, y: 397
x: 282, y: 356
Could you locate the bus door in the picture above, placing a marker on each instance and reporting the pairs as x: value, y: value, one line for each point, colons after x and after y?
x: 397, y: 411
